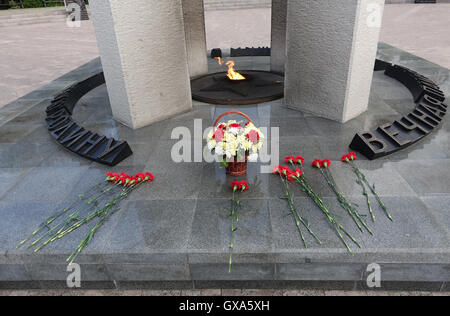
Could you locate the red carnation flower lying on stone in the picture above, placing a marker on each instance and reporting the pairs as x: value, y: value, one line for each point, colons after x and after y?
x: 240, y: 186
x: 127, y: 180
x: 294, y: 175
x: 244, y: 186
x: 352, y: 156
x: 235, y: 185
x: 289, y: 159
x: 317, y: 163
x: 326, y: 163
x: 281, y: 170
x: 299, y: 160
x: 349, y: 157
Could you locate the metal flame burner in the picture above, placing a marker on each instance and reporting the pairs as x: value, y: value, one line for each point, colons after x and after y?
x: 258, y: 87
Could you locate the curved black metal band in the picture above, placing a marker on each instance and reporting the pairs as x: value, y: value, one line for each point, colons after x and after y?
x: 427, y: 116
x: 76, y: 138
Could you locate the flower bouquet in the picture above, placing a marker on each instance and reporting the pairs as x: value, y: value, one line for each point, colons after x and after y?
x: 234, y: 143
x: 98, y: 203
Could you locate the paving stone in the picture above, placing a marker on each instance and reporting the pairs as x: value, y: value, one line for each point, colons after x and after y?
x: 231, y: 292
x: 10, y: 176
x: 387, y: 180
x: 344, y: 293
x: 216, y: 184
x: 211, y: 292
x: 18, y: 293
x: 308, y: 147
x: 425, y: 177
x: 264, y: 293
x: 190, y: 293
x: 303, y: 293
x: 11, y: 134
x: 276, y: 109
x: 413, y: 272
x: 293, y: 126
x: 58, y: 272
x: 60, y: 179
x: 150, y: 230
x: 13, y: 272
x: 320, y: 272
x: 161, y: 293
x: 155, y: 285
x: 31, y: 155
x: 439, y: 207
x: 239, y: 272
x: 211, y: 229
x: 180, y: 179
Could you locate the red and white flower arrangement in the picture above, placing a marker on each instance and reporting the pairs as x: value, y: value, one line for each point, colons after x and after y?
x: 235, y: 141
x: 98, y: 202
x: 236, y: 186
x: 350, y: 159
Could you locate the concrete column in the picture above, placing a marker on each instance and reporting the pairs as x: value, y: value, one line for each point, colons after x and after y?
x: 278, y: 47
x: 194, y: 26
x: 331, y: 51
x: 143, y: 50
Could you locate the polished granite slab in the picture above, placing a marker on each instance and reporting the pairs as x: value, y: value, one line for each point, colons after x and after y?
x: 175, y: 231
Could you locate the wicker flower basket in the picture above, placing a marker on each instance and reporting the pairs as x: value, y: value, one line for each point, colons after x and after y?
x: 235, y: 168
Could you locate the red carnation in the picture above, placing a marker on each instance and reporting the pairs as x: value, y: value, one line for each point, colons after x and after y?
x: 326, y: 163
x: 284, y: 170
x: 253, y: 136
x: 298, y: 172
x: 291, y: 176
x: 299, y: 160
x: 352, y: 156
x: 276, y: 170
x: 294, y: 175
x: 289, y: 159
x: 236, y: 185
x: 235, y: 125
x: 244, y: 186
x: 222, y: 127
x: 140, y: 177
x: 149, y: 177
x: 218, y: 135
x: 317, y: 163
x: 345, y: 158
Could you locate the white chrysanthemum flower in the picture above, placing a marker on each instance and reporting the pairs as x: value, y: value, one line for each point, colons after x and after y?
x: 220, y: 150
x: 234, y: 131
x: 212, y: 144
x: 246, y: 145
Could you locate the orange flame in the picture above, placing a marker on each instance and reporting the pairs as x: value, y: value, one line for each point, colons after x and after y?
x: 232, y: 73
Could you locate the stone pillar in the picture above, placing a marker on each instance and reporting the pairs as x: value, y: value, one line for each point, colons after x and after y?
x: 194, y: 26
x: 143, y: 51
x: 331, y: 51
x: 278, y: 47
